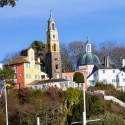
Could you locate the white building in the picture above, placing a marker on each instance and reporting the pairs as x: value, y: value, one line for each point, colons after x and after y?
x: 45, y: 84
x: 108, y: 74
x: 1, y: 66
x: 96, y: 71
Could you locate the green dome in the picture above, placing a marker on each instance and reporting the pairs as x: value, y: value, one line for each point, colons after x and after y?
x: 88, y: 59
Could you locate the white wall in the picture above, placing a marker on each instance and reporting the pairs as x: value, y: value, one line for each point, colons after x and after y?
x: 108, y: 76
x: 62, y: 85
x: 116, y: 78
x: 1, y: 66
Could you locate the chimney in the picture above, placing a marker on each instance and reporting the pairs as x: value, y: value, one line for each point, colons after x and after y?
x: 123, y: 62
x: 106, y: 61
x: 38, y: 60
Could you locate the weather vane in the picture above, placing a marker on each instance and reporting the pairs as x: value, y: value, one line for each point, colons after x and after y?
x: 51, y: 11
x: 87, y: 38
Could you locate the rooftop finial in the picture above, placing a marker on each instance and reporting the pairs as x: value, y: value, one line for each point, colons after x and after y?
x: 51, y: 18
x: 87, y: 38
x: 50, y: 11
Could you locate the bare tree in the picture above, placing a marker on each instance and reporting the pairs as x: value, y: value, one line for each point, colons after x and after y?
x: 113, y: 50
x: 76, y: 50
x: 70, y: 54
x: 65, y: 58
x: 10, y: 56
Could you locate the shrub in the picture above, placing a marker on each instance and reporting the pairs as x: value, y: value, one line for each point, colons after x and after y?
x: 78, y: 77
x: 107, y: 119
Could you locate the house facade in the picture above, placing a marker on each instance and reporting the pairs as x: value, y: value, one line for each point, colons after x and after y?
x: 69, y: 76
x: 108, y: 74
x: 45, y: 84
x: 26, y: 69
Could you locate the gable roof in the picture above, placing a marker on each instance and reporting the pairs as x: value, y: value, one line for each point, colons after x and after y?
x: 123, y: 69
x: 101, y: 66
x: 19, y: 59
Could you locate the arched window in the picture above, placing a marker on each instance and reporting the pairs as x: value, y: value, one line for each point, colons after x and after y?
x: 53, y: 27
x: 54, y: 47
x: 88, y: 48
x: 31, y: 55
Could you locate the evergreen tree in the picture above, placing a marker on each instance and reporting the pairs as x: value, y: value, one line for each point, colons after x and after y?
x: 7, y: 74
x: 78, y: 77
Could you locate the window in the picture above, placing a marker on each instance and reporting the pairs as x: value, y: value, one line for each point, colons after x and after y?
x: 53, y: 26
x: 122, y: 74
x: 37, y: 77
x: 27, y: 65
x: 53, y: 36
x: 104, y: 80
x: 54, y: 47
x: 56, y: 59
x: 113, y: 80
x: 15, y: 68
x: 27, y: 76
x: 36, y: 66
x: 31, y: 55
x: 71, y: 78
x: 123, y: 79
x: 56, y: 66
x: 113, y: 71
x: 103, y: 71
x: 88, y: 48
x: 66, y: 77
x: 15, y: 77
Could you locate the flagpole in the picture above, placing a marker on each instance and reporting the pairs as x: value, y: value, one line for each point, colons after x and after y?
x: 84, y: 113
x: 6, y: 106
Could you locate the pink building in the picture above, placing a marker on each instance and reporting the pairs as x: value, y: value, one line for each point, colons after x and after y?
x: 69, y: 76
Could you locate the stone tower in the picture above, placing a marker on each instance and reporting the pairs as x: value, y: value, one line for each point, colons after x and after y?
x: 53, y: 59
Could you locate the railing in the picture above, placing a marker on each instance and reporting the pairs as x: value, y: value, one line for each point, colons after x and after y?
x: 112, y: 98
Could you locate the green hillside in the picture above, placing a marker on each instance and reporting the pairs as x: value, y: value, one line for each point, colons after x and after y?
x: 57, y: 107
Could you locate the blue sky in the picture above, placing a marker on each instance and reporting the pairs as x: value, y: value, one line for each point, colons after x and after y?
x: 75, y: 19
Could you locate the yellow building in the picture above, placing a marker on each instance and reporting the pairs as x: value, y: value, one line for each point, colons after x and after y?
x: 26, y: 69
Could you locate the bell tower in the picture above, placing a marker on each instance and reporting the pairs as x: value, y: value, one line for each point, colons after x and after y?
x: 53, y: 59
